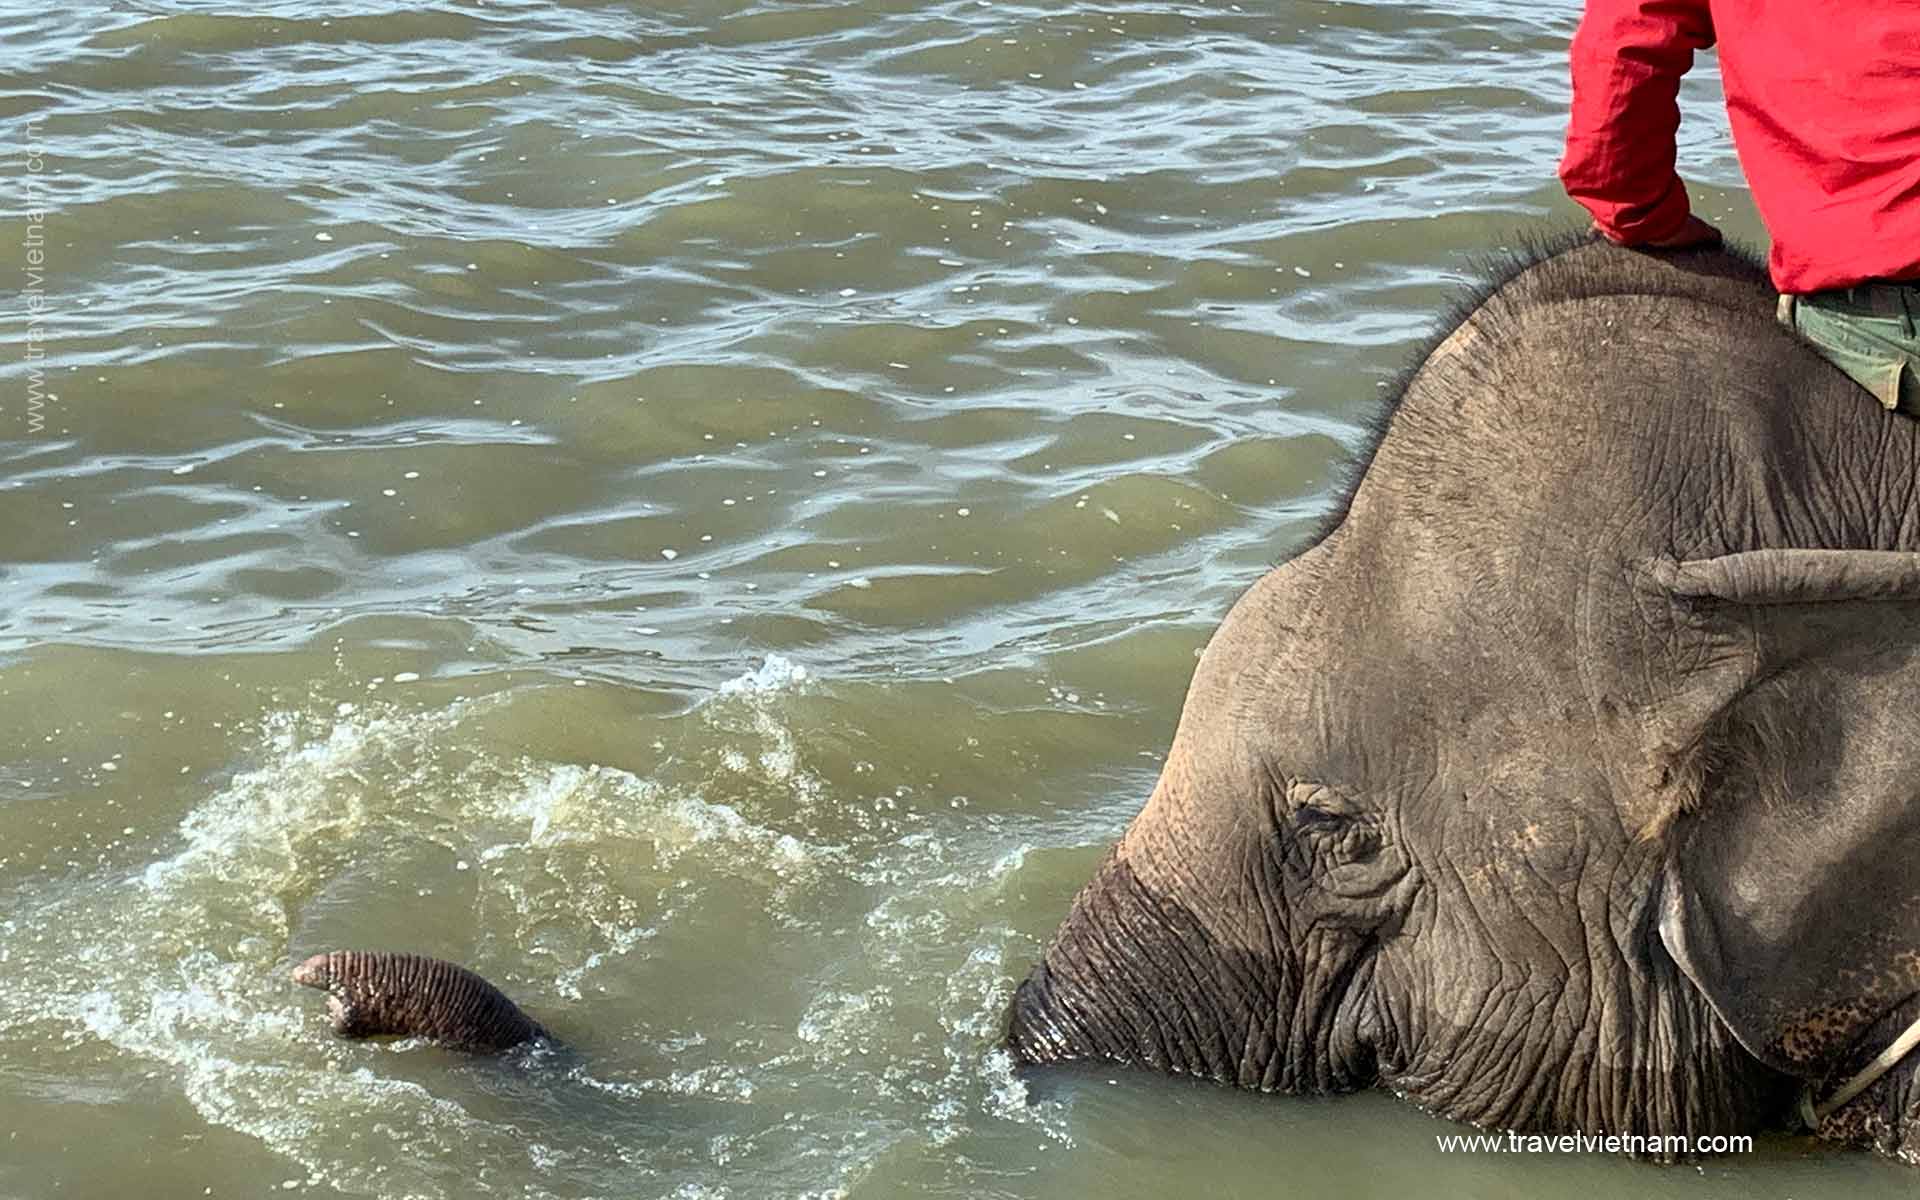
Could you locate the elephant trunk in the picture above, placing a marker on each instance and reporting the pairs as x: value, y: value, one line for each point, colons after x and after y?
x: 1134, y: 977
x: 375, y: 994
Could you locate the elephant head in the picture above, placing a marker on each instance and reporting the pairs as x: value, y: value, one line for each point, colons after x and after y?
x: 1565, y: 782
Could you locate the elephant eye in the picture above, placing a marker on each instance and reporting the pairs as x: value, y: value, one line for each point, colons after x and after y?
x: 1312, y: 806
x: 1314, y: 809
x: 1314, y: 819
x: 1326, y: 825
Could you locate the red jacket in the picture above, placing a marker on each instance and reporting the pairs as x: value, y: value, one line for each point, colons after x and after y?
x: 1824, y: 99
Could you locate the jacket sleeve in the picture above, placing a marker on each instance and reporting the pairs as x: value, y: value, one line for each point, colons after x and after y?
x: 1628, y: 57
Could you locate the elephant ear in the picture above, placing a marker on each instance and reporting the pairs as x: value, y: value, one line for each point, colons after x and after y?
x: 1791, y: 897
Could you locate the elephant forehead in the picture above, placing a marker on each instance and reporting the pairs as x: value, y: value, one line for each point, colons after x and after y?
x: 1366, y: 717
x: 1305, y: 700
x: 1287, y: 653
x: 1357, y: 665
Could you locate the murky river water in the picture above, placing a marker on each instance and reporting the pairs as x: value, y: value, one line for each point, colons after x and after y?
x: 703, y: 511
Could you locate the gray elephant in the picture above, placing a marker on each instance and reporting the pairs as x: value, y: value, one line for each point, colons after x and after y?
x: 1567, y: 781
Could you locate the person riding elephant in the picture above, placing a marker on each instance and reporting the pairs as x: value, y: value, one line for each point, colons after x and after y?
x: 1821, y: 101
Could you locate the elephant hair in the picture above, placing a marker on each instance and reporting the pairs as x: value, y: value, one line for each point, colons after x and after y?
x: 1536, y: 269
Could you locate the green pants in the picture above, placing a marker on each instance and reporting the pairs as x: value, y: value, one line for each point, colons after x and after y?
x: 1868, y: 332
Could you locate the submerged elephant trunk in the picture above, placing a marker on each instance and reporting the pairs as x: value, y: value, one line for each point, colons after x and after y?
x: 376, y: 994
x: 1134, y: 977
x: 1116, y: 944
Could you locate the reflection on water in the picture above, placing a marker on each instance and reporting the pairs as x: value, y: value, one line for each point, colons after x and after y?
x: 703, y: 512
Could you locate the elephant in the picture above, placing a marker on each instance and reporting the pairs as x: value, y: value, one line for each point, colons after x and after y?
x: 1565, y: 780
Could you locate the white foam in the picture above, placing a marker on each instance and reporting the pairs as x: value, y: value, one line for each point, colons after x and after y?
x: 776, y: 674
x: 842, y: 1021
x: 548, y: 796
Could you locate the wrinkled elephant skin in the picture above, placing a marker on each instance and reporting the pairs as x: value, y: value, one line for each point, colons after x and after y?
x: 383, y: 994
x: 1565, y: 781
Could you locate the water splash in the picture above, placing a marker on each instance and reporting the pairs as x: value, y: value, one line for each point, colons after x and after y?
x: 608, y: 899
x: 776, y: 674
